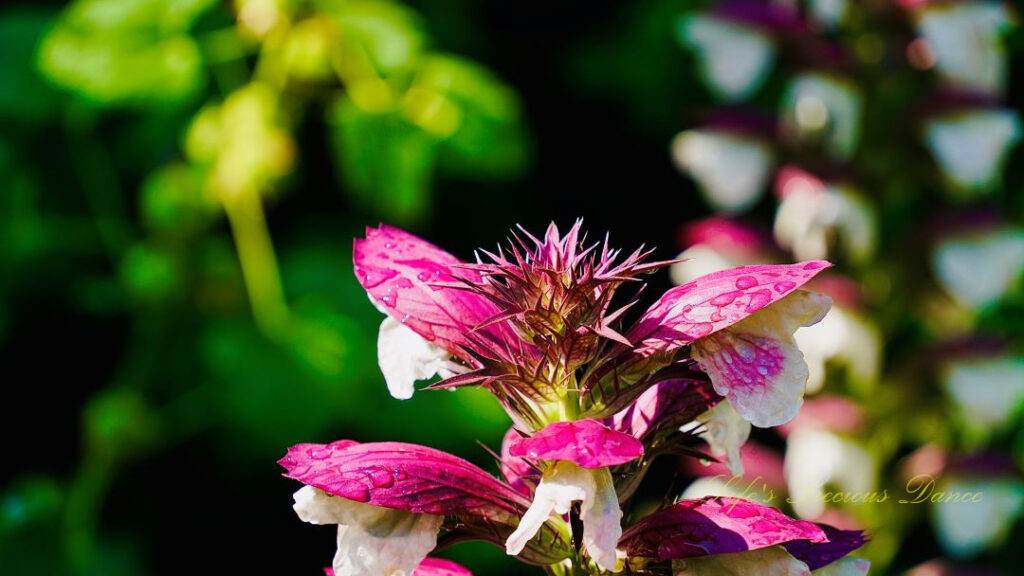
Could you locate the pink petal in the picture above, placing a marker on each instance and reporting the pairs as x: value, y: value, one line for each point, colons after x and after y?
x: 430, y: 567
x: 715, y: 301
x: 586, y: 443
x: 815, y: 555
x: 403, y: 477
x: 714, y: 525
x: 667, y: 404
x: 402, y: 273
x: 440, y: 567
x: 519, y: 474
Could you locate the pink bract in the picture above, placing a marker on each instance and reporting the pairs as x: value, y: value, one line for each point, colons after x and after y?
x: 403, y: 477
x: 668, y: 404
x: 714, y: 525
x: 716, y: 301
x: 519, y: 473
x: 430, y: 567
x: 586, y: 443
x: 818, y: 554
x: 415, y: 283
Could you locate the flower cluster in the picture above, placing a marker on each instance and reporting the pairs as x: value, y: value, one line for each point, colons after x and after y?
x: 593, y: 401
x: 840, y: 108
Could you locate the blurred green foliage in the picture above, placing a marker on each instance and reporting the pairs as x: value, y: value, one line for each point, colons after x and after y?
x: 145, y: 144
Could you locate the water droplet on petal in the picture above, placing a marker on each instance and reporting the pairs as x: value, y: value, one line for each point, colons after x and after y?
x: 745, y: 282
x: 759, y: 300
x: 784, y: 286
x: 319, y: 453
x: 358, y: 494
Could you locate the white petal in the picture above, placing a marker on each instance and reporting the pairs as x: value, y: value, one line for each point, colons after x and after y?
x: 773, y: 561
x: 965, y: 529
x: 821, y: 106
x: 988, y: 391
x: 978, y: 269
x: 815, y: 458
x: 842, y: 337
x: 560, y: 486
x: 602, y: 520
x: 827, y: 13
x: 731, y: 169
x: 734, y: 58
x: 726, y: 432
x: 372, y: 541
x: 756, y: 364
x: 965, y: 38
x: 971, y: 147
x: 405, y: 357
x: 845, y: 566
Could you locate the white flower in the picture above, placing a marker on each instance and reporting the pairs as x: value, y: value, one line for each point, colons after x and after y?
x: 560, y: 486
x: 977, y: 269
x: 821, y: 106
x: 815, y: 458
x: 372, y: 541
x: 841, y: 336
x: 756, y: 364
x: 725, y: 432
x: 965, y: 39
x: 734, y: 58
x: 970, y: 147
x: 965, y: 529
x: 731, y: 169
x: 808, y: 217
x: 987, y: 390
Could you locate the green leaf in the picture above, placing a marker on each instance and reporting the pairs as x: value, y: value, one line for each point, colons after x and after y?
x: 489, y: 139
x: 386, y: 163
x: 126, y: 52
x: 390, y: 34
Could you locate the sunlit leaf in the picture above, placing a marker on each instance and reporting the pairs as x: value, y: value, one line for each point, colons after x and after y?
x: 487, y: 137
x: 130, y: 52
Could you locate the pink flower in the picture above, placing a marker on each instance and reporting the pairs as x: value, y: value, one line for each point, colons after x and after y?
x: 391, y: 499
x: 582, y: 452
x: 719, y: 535
x: 739, y: 324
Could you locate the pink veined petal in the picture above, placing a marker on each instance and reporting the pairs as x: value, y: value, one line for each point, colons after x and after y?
x: 819, y: 554
x: 715, y: 301
x: 404, y: 477
x: 756, y: 363
x: 586, y: 443
x: 430, y: 567
x: 402, y: 273
x: 714, y: 525
x: 519, y: 474
x: 667, y: 404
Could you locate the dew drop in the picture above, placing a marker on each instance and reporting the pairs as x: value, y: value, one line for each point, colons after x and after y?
x: 817, y: 265
x: 745, y: 282
x: 359, y: 495
x: 762, y: 370
x: 319, y: 453
x: 700, y: 329
x: 423, y: 276
x: 382, y: 478
x: 784, y: 286
x: 746, y: 351
x: 759, y: 300
x: 726, y: 298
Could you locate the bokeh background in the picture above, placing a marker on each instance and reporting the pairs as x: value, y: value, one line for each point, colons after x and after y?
x: 180, y: 182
